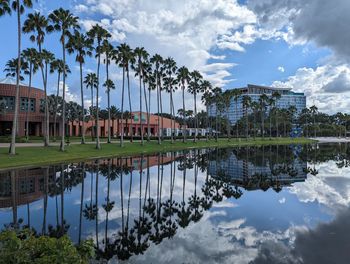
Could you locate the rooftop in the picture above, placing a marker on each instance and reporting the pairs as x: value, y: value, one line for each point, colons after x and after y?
x: 10, y: 80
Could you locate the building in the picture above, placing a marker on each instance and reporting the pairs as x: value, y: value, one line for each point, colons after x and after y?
x: 288, y: 98
x: 36, y: 117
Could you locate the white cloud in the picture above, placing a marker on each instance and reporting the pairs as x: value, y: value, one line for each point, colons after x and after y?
x: 281, y: 69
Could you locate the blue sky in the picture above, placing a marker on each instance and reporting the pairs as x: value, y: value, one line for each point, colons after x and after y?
x: 231, y: 42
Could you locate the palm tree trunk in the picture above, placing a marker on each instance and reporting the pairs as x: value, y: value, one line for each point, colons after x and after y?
x: 195, y: 114
x: 12, y: 149
x: 28, y: 100
x: 207, y: 123
x: 82, y: 106
x: 141, y: 128
x: 56, y: 105
x: 109, y: 116
x: 131, y: 117
x: 96, y: 200
x: 158, y: 107
x: 63, y: 130
x: 184, y: 112
x: 147, y: 109
x: 92, y: 109
x: 98, y: 144
x: 47, y: 116
x: 236, y: 119
x: 171, y: 115
x: 122, y: 111
x: 161, y: 110
x: 81, y: 202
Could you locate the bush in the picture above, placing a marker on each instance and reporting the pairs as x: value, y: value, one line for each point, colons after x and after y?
x: 24, y: 247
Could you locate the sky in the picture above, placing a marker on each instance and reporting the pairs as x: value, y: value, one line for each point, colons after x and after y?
x: 299, y: 44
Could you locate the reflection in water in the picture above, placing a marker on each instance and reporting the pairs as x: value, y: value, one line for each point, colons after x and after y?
x: 132, y: 205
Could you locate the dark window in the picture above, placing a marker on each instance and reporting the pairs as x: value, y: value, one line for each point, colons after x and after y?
x: 24, y: 104
x: 9, y: 102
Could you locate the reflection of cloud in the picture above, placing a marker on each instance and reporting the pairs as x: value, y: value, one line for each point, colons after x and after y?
x: 330, y: 187
x: 282, y: 200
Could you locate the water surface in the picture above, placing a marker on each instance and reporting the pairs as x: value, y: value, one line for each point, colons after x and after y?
x: 271, y: 204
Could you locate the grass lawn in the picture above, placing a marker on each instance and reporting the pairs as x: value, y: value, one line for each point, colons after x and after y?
x: 30, y: 156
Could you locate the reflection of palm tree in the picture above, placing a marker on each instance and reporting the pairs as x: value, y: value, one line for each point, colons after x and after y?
x: 184, y: 212
x: 46, y: 185
x: 194, y: 200
x: 81, y: 200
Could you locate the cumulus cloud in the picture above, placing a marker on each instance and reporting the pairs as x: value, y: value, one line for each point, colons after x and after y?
x: 327, y: 86
x: 281, y: 69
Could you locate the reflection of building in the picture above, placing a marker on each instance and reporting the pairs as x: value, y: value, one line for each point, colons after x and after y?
x: 244, y: 173
x: 21, y: 186
x: 288, y: 98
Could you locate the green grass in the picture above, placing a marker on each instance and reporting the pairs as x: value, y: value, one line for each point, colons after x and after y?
x: 30, y: 156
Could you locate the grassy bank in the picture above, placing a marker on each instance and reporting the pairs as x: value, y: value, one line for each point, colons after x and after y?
x: 30, y: 156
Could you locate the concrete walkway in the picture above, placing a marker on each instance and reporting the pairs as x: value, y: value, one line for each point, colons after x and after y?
x: 331, y: 139
x: 41, y: 144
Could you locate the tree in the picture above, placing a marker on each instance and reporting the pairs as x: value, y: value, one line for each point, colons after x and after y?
x: 123, y: 58
x: 262, y: 101
x: 246, y: 101
x: 314, y: 111
x: 91, y: 82
x: 276, y: 96
x: 30, y: 55
x: 82, y: 46
x: 57, y: 65
x: 207, y: 88
x: 11, y: 69
x: 194, y: 88
x: 217, y: 97
x: 18, y: 6
x: 5, y: 7
x: 157, y: 62
x: 236, y: 95
x: 63, y: 21
x: 141, y: 55
x: 109, y: 85
x: 170, y: 82
x: 270, y: 103
x: 45, y: 59
x: 99, y: 34
x: 183, y: 76
x: 109, y: 53
x: 227, y: 98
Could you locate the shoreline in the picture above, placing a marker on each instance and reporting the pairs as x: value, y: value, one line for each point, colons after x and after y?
x: 39, y: 156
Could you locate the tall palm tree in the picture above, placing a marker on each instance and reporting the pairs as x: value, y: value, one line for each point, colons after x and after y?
x: 236, y: 96
x: 183, y: 77
x: 170, y: 69
x: 5, y: 7
x: 109, y: 85
x: 19, y: 7
x: 262, y: 101
x: 63, y: 21
x: 246, y: 101
x: 314, y: 111
x: 99, y: 34
x: 151, y: 81
x: 45, y: 59
x: 227, y: 98
x: 217, y: 98
x: 57, y: 65
x: 157, y: 61
x: 124, y: 58
x: 108, y: 50
x: 30, y: 55
x: 91, y: 82
x: 141, y: 56
x: 270, y: 103
x: 207, y: 88
x: 194, y: 88
x: 82, y: 46
x: 276, y: 96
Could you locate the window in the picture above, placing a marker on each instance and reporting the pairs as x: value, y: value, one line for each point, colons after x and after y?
x: 24, y: 104
x: 9, y: 102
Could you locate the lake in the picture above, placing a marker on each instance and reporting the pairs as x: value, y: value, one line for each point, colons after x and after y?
x: 271, y: 204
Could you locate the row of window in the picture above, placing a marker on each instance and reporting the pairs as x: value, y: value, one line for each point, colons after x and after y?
x: 25, y: 104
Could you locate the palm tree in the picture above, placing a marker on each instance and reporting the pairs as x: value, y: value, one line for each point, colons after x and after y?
x: 5, y: 7
x: 63, y: 21
x: 194, y: 88
x: 236, y: 95
x: 262, y: 101
x: 246, y: 100
x: 115, y: 115
x: 207, y: 88
x: 91, y: 82
x: 217, y: 98
x: 255, y: 106
x: 227, y: 98
x: 30, y: 55
x: 19, y: 7
x: 141, y: 56
x: 314, y: 111
x: 82, y: 46
x: 183, y: 77
x: 276, y: 96
x: 45, y: 59
x: 151, y: 81
x: 100, y: 34
x: 57, y: 65
x: 170, y: 68
x: 109, y: 85
x: 270, y: 103
x: 157, y: 61
x: 109, y: 53
x: 124, y: 57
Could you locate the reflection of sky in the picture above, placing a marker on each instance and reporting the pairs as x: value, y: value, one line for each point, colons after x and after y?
x: 259, y: 227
